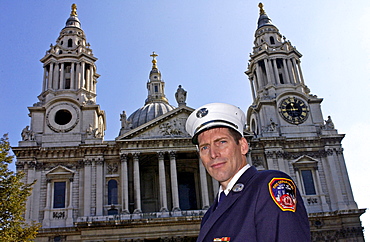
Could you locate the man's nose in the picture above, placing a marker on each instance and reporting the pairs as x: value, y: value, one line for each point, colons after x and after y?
x: 214, y: 152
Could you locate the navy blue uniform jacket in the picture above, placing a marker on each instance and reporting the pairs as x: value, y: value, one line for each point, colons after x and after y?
x: 252, y: 214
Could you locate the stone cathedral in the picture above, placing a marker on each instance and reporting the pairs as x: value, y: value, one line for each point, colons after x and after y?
x: 149, y: 184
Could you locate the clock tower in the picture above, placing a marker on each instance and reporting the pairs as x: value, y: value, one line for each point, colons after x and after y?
x: 289, y: 133
x: 67, y: 113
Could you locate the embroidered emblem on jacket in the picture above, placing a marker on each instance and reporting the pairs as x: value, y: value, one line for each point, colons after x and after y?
x: 283, y: 192
x: 222, y: 239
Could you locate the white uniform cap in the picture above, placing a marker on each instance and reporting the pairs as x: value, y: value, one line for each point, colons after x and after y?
x: 215, y: 115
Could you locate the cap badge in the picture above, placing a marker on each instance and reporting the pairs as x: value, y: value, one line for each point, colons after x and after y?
x: 238, y: 187
x: 202, y: 112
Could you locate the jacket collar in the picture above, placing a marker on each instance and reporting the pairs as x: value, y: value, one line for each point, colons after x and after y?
x: 217, y: 211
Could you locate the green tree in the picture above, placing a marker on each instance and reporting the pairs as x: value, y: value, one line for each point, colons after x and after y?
x: 13, y: 197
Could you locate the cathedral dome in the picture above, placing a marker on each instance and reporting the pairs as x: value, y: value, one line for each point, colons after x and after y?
x: 149, y: 112
x: 156, y: 103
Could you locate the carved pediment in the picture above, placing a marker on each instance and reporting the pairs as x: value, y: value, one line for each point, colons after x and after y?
x: 305, y: 161
x: 60, y: 171
x: 169, y: 125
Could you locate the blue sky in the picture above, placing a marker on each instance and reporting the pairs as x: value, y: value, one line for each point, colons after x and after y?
x: 203, y: 46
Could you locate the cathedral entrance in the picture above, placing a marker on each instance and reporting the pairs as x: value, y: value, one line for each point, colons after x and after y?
x: 187, y: 192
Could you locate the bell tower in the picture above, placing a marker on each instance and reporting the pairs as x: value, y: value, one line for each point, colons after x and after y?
x: 67, y: 113
x: 289, y: 133
x: 280, y: 97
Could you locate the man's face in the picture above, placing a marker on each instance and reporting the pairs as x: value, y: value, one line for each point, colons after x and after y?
x: 220, y: 154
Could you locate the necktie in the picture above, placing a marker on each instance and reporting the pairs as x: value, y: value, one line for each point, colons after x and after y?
x: 222, y: 196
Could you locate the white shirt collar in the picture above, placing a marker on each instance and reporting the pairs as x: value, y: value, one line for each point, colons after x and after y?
x: 232, y: 182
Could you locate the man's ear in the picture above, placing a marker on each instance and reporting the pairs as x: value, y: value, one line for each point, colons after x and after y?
x: 244, y: 145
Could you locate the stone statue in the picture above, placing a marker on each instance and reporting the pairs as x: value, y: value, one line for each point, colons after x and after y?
x: 27, y: 134
x: 123, y: 119
x: 272, y: 126
x: 92, y: 133
x: 180, y: 95
x: 329, y: 125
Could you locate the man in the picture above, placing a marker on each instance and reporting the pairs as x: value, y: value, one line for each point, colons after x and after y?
x: 259, y: 205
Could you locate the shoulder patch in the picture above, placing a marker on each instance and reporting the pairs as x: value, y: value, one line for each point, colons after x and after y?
x: 283, y: 192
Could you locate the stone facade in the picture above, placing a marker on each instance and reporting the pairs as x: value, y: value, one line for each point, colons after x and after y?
x: 149, y: 184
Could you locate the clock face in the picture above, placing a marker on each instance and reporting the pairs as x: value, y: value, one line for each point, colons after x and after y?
x: 293, y: 110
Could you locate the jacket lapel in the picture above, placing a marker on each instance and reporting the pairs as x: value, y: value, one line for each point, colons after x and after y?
x: 217, y: 211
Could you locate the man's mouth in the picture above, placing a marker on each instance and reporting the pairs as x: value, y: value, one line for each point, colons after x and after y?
x: 218, y: 165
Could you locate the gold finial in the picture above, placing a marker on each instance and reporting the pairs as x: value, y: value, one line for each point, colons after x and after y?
x: 154, y: 61
x: 74, y: 10
x: 262, y: 11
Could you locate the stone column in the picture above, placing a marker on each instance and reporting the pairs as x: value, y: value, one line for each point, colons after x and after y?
x: 69, y: 221
x: 276, y: 71
x: 295, y: 70
x: 87, y: 188
x: 203, y: 185
x: 299, y: 180
x: 87, y: 78
x: 73, y: 66
x: 124, y: 184
x: 99, y: 187
x: 253, y: 90
x: 137, y: 191
x: 286, y: 73
x: 335, y: 190
x: 70, y: 192
x: 61, y: 78
x: 48, y: 194
x: 270, y: 160
x: 46, y: 221
x: 324, y: 204
x: 83, y: 81
x: 50, y: 76
x: 300, y: 71
x: 78, y: 76
x: 291, y: 72
x: 44, y: 82
x: 268, y: 70
x: 162, y: 183
x: 174, y: 183
x: 91, y: 79
x: 283, y: 165
x: 30, y: 173
x: 56, y: 76
x: 259, y: 77
x: 344, y: 174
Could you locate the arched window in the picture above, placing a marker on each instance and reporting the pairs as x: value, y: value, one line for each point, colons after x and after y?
x: 112, y: 192
x: 272, y: 40
x: 70, y: 43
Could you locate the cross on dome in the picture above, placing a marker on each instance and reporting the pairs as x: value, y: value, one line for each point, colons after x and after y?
x: 154, y: 61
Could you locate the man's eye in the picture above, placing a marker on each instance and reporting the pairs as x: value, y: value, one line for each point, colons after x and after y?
x: 204, y: 148
x: 223, y: 141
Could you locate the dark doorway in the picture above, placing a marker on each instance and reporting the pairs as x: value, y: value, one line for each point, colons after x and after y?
x: 187, y: 193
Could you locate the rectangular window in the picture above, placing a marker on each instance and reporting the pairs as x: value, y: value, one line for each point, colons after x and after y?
x: 59, y: 195
x: 308, y: 182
